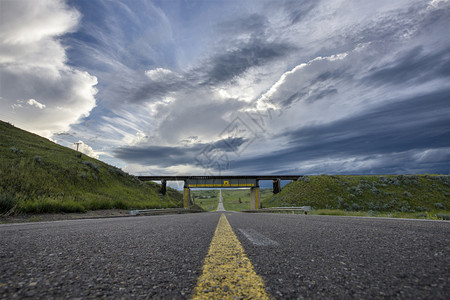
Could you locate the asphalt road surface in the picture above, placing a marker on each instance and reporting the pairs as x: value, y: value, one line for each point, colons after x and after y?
x: 220, y: 205
x: 297, y: 256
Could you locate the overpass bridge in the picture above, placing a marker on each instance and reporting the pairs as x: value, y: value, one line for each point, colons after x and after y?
x: 231, y: 181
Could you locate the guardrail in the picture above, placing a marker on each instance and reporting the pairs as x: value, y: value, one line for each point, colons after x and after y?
x: 158, y: 211
x: 305, y: 209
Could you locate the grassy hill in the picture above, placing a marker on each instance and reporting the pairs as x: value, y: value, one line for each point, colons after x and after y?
x: 39, y: 176
x: 233, y: 199
x: 390, y: 193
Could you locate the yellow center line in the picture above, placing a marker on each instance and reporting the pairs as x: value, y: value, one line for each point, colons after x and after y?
x: 227, y: 271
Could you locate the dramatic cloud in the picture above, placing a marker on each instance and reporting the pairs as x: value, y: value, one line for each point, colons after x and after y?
x: 229, y: 65
x: 33, y: 66
x: 167, y: 156
x: 234, y: 86
x: 416, y: 126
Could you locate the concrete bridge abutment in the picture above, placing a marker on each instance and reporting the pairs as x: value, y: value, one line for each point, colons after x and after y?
x: 255, y: 202
x: 187, y: 198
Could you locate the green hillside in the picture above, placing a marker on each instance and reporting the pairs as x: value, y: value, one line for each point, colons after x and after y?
x: 39, y: 176
x: 391, y: 193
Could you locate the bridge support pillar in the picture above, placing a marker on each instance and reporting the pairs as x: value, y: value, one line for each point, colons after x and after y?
x: 163, y: 186
x: 187, y: 198
x: 276, y: 186
x: 254, y: 198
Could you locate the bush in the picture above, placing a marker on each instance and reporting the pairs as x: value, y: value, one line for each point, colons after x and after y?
x: 394, y: 181
x: 443, y: 217
x: 7, y: 203
x: 38, y: 160
x: 375, y: 191
x: 91, y: 165
x: 356, y: 207
x: 405, y: 207
x: 117, y: 171
x: 439, y: 206
x: 15, y: 150
x: 421, y: 208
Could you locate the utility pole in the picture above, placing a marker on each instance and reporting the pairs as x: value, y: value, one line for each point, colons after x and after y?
x: 78, y: 144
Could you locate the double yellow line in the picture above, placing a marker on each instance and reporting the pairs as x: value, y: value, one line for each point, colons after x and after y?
x: 227, y: 271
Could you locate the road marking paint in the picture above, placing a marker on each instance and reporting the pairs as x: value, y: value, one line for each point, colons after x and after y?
x: 227, y: 271
x: 257, y: 238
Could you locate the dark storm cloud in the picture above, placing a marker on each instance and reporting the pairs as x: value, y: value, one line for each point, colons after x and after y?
x: 413, y: 65
x: 418, y: 123
x: 314, y: 96
x: 322, y: 94
x: 298, y: 10
x: 331, y: 75
x: 152, y: 90
x: 166, y: 156
x: 226, y: 66
x: 293, y: 98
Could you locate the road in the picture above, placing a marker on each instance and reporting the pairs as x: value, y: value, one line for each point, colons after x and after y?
x: 297, y: 256
x: 220, y: 205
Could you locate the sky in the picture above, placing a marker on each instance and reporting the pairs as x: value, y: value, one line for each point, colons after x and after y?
x: 185, y: 87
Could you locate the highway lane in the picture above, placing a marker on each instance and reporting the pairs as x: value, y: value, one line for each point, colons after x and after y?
x: 297, y: 256
x: 318, y: 257
x: 134, y: 257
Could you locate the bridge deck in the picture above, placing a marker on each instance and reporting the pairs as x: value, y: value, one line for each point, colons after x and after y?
x: 256, y: 177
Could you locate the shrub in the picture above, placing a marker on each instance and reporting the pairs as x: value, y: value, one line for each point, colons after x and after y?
x: 420, y: 208
x: 405, y: 207
x: 392, y: 204
x: 15, y: 150
x: 91, y: 165
x: 375, y: 191
x: 7, y: 203
x: 382, y: 179
x: 356, y: 206
x: 443, y: 217
x: 439, y: 206
x: 38, y: 160
x: 117, y: 171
